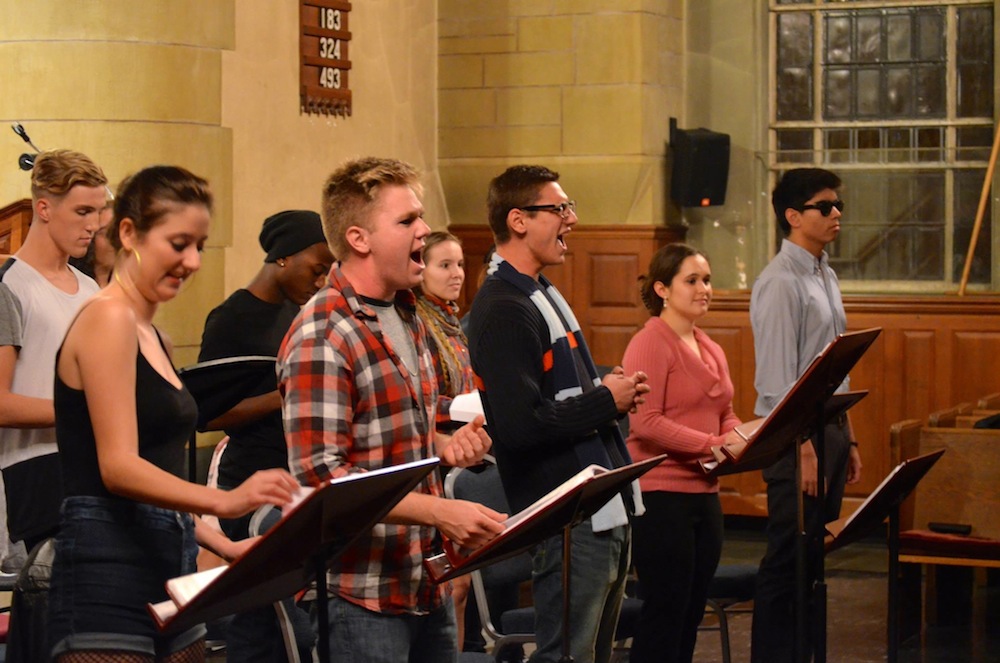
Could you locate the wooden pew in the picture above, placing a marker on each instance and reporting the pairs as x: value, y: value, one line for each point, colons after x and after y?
x: 971, y: 419
x: 989, y: 402
x: 963, y: 415
x: 948, y: 417
x: 962, y: 488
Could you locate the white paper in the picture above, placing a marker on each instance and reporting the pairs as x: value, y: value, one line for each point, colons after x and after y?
x: 465, y: 407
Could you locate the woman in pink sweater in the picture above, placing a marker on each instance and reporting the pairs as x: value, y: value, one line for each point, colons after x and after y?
x: 688, y: 410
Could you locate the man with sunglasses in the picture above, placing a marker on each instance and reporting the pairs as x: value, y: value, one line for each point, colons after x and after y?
x: 549, y: 415
x: 795, y: 310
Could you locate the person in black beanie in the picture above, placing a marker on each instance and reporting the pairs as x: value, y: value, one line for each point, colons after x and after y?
x: 253, y: 321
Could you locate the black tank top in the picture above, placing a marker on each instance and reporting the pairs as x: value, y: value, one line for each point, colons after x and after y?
x: 166, y: 416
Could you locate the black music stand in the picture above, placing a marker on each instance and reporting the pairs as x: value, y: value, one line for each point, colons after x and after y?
x: 217, y: 386
x: 299, y: 549
x: 767, y: 440
x: 801, y: 414
x: 563, y: 513
x: 884, y: 502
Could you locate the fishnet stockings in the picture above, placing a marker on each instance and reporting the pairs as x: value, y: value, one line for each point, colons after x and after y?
x: 194, y: 653
x: 103, y: 656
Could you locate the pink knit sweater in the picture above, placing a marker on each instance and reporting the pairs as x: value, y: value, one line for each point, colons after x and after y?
x: 688, y: 409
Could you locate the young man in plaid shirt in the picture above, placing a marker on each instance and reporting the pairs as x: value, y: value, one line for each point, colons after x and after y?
x: 359, y: 393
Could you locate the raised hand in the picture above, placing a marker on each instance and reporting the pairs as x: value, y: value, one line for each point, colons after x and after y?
x: 467, y: 445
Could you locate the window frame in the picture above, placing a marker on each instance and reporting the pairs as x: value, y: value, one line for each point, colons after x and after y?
x: 950, y: 124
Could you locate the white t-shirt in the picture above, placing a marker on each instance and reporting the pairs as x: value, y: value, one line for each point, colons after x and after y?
x: 45, y: 313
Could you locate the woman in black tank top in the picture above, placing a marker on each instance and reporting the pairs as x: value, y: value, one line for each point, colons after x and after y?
x: 123, y: 418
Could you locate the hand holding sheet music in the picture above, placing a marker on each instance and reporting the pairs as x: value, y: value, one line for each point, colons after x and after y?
x: 577, y: 498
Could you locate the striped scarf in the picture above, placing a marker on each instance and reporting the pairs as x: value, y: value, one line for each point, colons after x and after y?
x: 442, y: 323
x: 567, y: 343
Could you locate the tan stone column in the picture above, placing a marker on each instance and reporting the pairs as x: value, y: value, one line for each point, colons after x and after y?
x: 585, y: 87
x: 130, y: 84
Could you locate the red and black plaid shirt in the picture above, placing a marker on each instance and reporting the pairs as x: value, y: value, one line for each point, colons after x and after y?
x: 349, y: 406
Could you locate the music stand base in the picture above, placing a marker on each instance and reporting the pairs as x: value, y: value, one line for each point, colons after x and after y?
x: 566, y: 657
x: 322, y: 611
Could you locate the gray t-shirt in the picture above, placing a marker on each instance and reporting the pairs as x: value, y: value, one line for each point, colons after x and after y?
x: 45, y: 314
x: 10, y: 318
x: 399, y: 335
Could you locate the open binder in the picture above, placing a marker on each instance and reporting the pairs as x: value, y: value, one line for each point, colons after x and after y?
x: 896, y: 486
x: 574, y: 501
x: 220, y: 384
x: 283, y: 561
x: 795, y: 416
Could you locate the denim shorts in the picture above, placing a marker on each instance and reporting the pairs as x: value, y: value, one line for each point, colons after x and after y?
x: 112, y: 557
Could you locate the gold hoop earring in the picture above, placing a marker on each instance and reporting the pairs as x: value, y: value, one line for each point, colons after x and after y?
x: 138, y: 262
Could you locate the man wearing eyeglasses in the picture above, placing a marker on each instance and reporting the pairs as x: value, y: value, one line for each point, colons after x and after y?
x: 795, y: 310
x: 549, y: 414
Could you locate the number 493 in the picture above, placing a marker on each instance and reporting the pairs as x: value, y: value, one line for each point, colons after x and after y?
x: 329, y: 77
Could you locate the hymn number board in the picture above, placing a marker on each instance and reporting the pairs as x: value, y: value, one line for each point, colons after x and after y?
x: 324, y: 57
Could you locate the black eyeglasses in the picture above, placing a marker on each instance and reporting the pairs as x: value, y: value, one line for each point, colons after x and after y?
x: 562, y: 209
x: 824, y: 206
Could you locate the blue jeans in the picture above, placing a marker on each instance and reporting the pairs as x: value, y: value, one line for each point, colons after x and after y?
x: 255, y: 636
x: 363, y: 636
x: 599, y: 563
x: 113, y: 556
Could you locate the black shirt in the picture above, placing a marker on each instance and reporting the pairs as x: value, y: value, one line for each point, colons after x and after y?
x: 244, y: 325
x: 166, y: 418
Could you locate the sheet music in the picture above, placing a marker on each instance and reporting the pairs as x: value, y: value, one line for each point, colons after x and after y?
x: 465, y: 407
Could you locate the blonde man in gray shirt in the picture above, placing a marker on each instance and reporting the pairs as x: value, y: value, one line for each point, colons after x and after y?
x: 795, y: 310
x: 68, y: 192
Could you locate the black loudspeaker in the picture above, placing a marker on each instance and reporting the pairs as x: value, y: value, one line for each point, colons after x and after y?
x: 701, y: 167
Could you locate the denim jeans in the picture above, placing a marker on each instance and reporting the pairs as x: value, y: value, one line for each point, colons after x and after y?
x: 363, y: 636
x: 112, y: 557
x: 599, y: 563
x: 255, y: 636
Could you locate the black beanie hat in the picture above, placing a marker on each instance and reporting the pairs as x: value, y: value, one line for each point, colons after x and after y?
x: 286, y: 233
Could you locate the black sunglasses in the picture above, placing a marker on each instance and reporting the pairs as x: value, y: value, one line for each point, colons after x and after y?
x: 824, y: 206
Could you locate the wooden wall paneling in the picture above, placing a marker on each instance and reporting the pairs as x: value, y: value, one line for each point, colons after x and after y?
x: 608, y: 342
x: 14, y: 221
x: 476, y: 241
x: 916, y: 360
x: 868, y: 419
x: 973, y: 375
x: 599, y: 278
x: 933, y: 351
x: 613, y: 279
